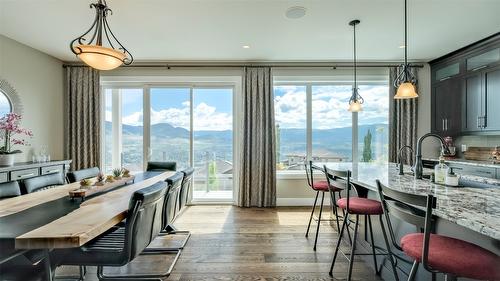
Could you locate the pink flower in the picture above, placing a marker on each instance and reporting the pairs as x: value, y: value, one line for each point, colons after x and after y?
x: 9, y: 124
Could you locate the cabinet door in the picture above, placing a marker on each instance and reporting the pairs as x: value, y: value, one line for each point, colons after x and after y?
x: 472, y: 106
x: 492, y: 99
x: 447, y: 101
x: 483, y: 60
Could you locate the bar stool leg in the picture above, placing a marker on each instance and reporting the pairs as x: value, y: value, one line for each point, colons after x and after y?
x: 413, y: 271
x: 336, y: 212
x: 319, y: 220
x: 341, y: 233
x: 312, y: 213
x: 353, y: 248
x: 373, y: 245
x: 449, y: 277
x: 388, y: 247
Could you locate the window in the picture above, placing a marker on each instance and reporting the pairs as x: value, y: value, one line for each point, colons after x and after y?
x: 192, y: 126
x: 312, y: 123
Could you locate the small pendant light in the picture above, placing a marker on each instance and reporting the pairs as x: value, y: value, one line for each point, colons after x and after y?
x: 356, y: 100
x: 405, y: 81
x: 90, y: 47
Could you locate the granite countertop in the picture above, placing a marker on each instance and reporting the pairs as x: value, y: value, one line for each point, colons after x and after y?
x: 489, y: 164
x: 472, y: 207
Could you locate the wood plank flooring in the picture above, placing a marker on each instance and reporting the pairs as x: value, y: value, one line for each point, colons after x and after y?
x: 231, y: 243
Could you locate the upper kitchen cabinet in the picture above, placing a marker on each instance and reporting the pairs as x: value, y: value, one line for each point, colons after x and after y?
x: 466, y: 90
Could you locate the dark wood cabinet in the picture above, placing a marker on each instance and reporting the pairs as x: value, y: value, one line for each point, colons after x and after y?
x: 465, y: 89
x: 447, y: 107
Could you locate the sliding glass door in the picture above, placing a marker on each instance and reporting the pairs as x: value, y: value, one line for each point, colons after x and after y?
x: 192, y: 126
x: 213, y: 143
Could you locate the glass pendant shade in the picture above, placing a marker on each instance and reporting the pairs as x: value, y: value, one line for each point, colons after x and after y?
x: 100, y: 57
x: 355, y: 107
x: 406, y: 91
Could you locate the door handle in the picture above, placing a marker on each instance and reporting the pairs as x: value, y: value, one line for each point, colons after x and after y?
x: 484, y: 122
x: 446, y: 124
x: 442, y: 124
x: 25, y: 175
x: 478, y: 122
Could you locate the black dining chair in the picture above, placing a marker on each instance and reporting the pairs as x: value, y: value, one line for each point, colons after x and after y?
x: 170, y: 208
x: 122, y: 244
x: 437, y: 253
x: 186, y: 187
x: 9, y: 189
x: 79, y: 175
x: 40, y: 183
x: 157, y: 166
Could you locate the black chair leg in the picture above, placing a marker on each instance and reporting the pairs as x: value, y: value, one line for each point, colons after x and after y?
x: 413, y: 271
x: 341, y: 233
x: 373, y: 245
x: 335, y: 211
x: 353, y: 249
x: 388, y: 247
x: 319, y: 220
x: 312, y: 213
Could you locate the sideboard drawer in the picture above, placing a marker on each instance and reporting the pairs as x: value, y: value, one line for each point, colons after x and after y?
x: 24, y: 174
x: 53, y: 169
x: 4, y: 177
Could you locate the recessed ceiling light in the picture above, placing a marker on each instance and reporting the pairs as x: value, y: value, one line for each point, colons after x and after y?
x: 295, y: 12
x: 246, y: 47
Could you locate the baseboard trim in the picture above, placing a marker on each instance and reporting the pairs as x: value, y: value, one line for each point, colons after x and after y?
x: 296, y: 202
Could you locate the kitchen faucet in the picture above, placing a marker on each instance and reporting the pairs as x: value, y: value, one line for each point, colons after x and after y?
x: 400, y: 159
x: 418, y: 156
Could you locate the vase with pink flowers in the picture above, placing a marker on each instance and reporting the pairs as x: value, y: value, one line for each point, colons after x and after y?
x: 11, y: 135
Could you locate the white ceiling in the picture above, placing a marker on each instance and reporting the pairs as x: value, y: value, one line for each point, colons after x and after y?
x: 217, y: 29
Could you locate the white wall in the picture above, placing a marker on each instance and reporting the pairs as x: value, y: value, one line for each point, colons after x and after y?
x: 38, y: 80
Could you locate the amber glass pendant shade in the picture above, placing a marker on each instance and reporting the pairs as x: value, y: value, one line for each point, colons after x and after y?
x: 406, y: 91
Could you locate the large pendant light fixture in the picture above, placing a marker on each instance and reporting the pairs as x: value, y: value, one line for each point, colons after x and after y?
x: 405, y: 81
x: 98, y: 46
x: 356, y: 100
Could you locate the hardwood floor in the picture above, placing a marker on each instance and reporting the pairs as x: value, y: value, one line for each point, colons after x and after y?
x: 230, y: 243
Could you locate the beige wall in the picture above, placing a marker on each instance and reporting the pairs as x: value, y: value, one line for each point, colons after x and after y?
x: 38, y: 80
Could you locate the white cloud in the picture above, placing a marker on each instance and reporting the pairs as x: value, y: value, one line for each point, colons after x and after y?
x: 205, y: 117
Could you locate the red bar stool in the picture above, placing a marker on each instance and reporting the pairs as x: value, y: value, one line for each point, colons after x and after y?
x: 355, y: 206
x: 320, y: 186
x: 437, y: 253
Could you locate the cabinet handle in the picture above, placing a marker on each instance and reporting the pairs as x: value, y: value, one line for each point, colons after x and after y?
x: 478, y: 122
x: 442, y: 124
x: 25, y: 175
x: 51, y: 171
x: 480, y: 67
x: 484, y: 122
x: 446, y: 124
x: 445, y: 78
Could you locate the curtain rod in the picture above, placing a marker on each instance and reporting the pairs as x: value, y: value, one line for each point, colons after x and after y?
x: 260, y: 64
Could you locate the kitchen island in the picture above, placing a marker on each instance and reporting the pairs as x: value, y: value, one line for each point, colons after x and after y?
x: 468, y: 213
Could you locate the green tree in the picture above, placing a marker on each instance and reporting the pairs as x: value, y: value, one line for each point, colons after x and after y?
x: 367, y: 149
x: 213, y: 182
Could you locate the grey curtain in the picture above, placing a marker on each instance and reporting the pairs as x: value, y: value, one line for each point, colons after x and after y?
x: 257, y: 173
x: 82, y: 117
x: 403, y: 117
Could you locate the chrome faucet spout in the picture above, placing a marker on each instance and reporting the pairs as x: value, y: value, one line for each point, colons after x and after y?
x: 418, y: 155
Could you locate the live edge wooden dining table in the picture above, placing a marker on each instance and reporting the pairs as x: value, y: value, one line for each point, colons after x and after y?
x: 49, y: 219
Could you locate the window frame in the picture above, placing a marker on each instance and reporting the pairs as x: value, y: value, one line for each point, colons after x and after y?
x: 309, y: 82
x: 192, y: 82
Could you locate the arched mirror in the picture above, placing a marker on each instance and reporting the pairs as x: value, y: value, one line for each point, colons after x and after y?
x: 9, y: 99
x: 5, y: 105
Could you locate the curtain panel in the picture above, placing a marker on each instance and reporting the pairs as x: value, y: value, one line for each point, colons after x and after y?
x: 257, y: 175
x: 82, y: 117
x: 403, y: 121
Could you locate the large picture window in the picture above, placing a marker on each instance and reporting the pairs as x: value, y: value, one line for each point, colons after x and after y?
x: 312, y: 123
x: 192, y: 126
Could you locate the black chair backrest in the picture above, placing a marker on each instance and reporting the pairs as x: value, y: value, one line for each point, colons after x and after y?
x: 310, y: 168
x: 404, y: 205
x: 340, y: 179
x: 161, y: 166
x: 82, y: 174
x: 9, y: 189
x: 186, y: 187
x: 171, y: 198
x: 144, y: 218
x: 42, y: 182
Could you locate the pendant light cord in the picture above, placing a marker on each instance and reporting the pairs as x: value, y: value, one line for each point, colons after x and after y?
x: 355, y: 65
x: 406, y: 41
